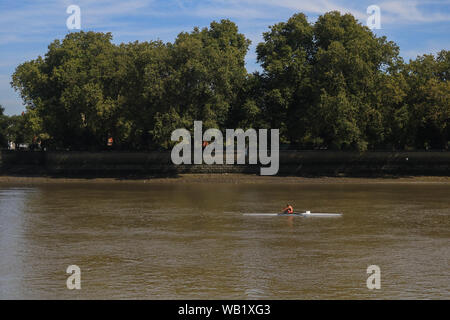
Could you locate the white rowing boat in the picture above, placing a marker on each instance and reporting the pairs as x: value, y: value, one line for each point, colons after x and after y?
x: 298, y: 214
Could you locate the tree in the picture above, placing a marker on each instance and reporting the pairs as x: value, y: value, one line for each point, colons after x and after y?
x: 3, y: 128
x: 86, y: 89
x: 208, y: 73
x: 18, y: 130
x: 74, y: 89
x: 332, y: 83
x: 144, y: 91
x: 286, y: 56
x: 429, y: 100
x: 250, y: 110
x: 323, y: 79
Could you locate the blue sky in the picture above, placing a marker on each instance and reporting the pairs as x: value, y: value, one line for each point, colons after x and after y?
x: 28, y: 26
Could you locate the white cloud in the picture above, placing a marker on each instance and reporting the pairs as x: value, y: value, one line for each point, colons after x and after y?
x: 315, y: 7
x: 411, y: 11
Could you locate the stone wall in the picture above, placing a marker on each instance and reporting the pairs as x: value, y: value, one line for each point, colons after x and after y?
x: 302, y: 163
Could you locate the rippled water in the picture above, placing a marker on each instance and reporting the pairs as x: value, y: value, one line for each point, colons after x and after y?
x: 191, y: 240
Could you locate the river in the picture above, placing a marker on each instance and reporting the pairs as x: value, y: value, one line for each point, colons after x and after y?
x: 137, y: 240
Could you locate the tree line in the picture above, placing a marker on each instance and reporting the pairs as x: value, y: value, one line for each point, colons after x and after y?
x: 330, y: 84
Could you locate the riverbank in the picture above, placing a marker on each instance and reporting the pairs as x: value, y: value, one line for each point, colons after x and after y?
x: 224, y: 178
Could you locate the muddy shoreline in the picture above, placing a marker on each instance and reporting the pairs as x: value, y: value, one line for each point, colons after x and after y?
x: 221, y: 178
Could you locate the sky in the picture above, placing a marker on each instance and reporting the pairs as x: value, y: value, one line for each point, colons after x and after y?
x: 27, y: 27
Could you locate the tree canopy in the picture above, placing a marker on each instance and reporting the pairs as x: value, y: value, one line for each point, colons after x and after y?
x: 330, y: 84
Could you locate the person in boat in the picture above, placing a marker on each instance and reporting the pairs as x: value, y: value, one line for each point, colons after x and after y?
x: 289, y: 209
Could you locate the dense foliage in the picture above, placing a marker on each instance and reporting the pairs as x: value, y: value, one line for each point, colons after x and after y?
x: 16, y: 129
x: 331, y: 84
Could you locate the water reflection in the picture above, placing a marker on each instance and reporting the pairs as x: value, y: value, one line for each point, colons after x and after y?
x: 13, y: 248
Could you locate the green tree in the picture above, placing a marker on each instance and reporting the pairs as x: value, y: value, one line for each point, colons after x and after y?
x: 144, y: 91
x: 74, y: 89
x: 390, y: 96
x: 331, y: 83
x: 3, y: 128
x: 249, y: 111
x: 286, y: 56
x: 429, y: 100
x: 18, y: 130
x: 323, y: 79
x: 208, y: 73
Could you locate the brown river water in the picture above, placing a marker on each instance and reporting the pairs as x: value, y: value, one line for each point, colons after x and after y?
x: 139, y: 240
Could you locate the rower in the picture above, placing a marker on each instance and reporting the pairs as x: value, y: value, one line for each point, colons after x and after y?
x: 288, y: 209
